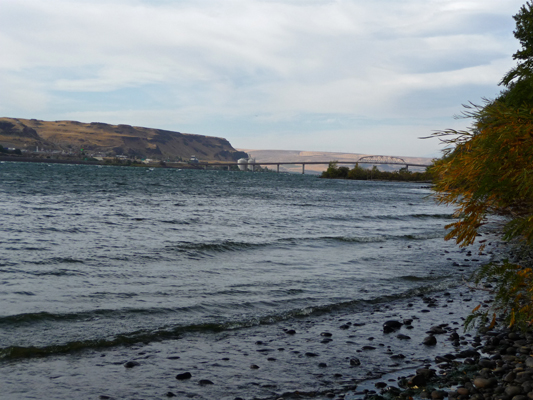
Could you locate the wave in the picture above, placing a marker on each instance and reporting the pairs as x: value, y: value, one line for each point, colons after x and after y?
x: 177, y: 332
x: 215, y: 247
x: 207, y: 248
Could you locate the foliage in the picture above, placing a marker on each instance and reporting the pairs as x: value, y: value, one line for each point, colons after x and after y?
x: 488, y: 170
x: 360, y: 173
x: 519, y: 80
x: 513, y: 296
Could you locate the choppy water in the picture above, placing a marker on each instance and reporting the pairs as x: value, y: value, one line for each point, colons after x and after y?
x: 104, y: 258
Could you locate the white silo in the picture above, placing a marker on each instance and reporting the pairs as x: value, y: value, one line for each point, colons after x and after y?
x: 251, y: 161
x: 242, y: 163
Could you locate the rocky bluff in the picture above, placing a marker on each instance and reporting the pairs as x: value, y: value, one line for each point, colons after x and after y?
x: 105, y: 139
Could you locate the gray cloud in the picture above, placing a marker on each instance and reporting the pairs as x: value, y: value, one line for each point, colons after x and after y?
x: 261, y: 66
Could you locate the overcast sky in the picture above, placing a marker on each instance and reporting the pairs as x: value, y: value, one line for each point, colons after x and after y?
x: 349, y: 76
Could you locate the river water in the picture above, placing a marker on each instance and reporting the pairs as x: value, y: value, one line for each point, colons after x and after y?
x: 206, y: 272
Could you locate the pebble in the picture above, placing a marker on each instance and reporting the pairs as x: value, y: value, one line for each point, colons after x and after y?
x: 131, y: 364
x: 430, y: 341
x: 391, y: 326
x: 354, y: 362
x: 183, y: 376
x: 403, y: 337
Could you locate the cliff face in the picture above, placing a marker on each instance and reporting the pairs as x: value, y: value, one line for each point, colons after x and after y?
x: 105, y: 139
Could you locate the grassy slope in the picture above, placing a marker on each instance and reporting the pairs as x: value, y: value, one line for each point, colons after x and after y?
x: 116, y: 139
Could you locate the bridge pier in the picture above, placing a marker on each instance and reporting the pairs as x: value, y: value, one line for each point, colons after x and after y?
x: 278, y: 169
x: 303, y: 168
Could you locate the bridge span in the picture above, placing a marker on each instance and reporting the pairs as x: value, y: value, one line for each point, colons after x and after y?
x: 377, y: 160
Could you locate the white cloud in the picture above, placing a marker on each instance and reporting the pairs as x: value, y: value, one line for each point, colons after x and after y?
x: 259, y: 64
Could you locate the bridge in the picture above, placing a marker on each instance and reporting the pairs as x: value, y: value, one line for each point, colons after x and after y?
x: 379, y: 160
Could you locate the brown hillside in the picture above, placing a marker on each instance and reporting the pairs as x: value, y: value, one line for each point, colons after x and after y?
x: 103, y: 139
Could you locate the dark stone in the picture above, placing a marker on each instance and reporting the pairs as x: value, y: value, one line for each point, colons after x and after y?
x: 204, y: 382
x: 368, y: 348
x: 322, y: 365
x: 131, y: 364
x: 309, y: 354
x: 403, y: 337
x: 326, y: 340
x: 170, y: 394
x: 486, y: 363
x: 290, y: 332
x: 184, y: 376
x: 438, y: 394
x: 380, y: 385
x: 397, y: 356
x: 391, y: 326
x: 468, y: 353
x: 253, y: 366
x: 430, y: 341
x: 513, y: 390
x: 354, y: 362
x: 345, y: 326
x: 173, y: 358
x: 326, y: 334
x: 436, y: 330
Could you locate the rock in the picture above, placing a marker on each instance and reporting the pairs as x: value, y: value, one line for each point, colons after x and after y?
x: 254, y: 366
x: 421, y: 377
x: 529, y: 362
x: 322, y: 365
x: 403, y: 337
x: 203, y: 382
x: 430, y: 341
x: 131, y: 364
x: 170, y: 394
x: 468, y: 353
x: 482, y: 383
x: 290, y: 332
x: 309, y: 354
x: 519, y: 397
x: 391, y: 326
x: 368, y: 348
x: 513, y: 390
x: 510, y: 377
x: 436, y: 330
x: 183, y: 376
x: 438, y: 394
x: 345, y: 326
x: 354, y: 362
x: 486, y: 363
x: 326, y: 334
x: 397, y: 356
x: 462, y: 391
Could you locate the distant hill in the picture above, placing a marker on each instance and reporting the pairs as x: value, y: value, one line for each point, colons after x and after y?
x: 97, y: 138
x: 300, y: 156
